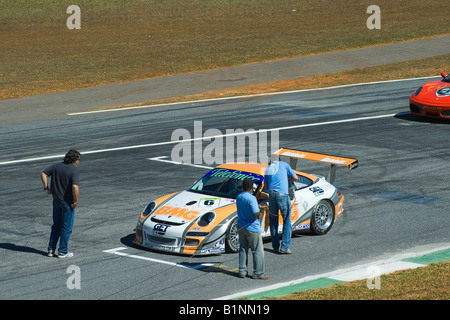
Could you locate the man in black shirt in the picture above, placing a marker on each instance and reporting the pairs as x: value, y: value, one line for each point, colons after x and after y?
x: 64, y: 188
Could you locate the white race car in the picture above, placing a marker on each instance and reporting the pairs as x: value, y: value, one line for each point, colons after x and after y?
x: 202, y: 219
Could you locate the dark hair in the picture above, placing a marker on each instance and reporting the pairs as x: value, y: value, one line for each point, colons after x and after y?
x: 72, y: 156
x: 247, y: 184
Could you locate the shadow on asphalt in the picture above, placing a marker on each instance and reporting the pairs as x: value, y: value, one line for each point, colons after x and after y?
x: 13, y: 247
x: 406, y: 116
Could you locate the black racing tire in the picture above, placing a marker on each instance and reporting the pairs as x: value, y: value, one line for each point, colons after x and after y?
x: 322, y: 218
x: 232, y: 237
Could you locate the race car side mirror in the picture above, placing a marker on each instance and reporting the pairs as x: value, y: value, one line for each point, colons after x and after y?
x: 443, y: 74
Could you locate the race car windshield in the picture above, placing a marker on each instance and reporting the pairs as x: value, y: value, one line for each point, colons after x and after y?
x: 224, y: 183
x: 447, y: 78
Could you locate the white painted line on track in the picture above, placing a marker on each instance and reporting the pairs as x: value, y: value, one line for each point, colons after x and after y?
x: 155, y: 144
x: 59, y: 156
x: 242, y: 97
x: 161, y: 159
x: 118, y: 252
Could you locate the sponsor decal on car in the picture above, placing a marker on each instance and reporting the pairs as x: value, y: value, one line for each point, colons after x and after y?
x: 317, y: 191
x: 444, y: 92
x: 333, y: 160
x: 177, y: 212
x: 233, y: 174
x: 160, y: 229
x: 301, y: 227
x: 219, y: 247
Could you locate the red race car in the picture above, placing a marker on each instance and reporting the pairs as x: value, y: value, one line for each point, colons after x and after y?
x: 432, y: 99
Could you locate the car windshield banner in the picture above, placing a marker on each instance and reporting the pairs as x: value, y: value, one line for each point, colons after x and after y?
x: 234, y: 174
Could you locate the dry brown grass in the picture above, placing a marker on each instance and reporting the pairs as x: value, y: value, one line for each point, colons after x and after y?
x: 137, y: 39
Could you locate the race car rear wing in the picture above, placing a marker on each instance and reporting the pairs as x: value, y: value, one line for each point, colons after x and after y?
x: 335, y: 161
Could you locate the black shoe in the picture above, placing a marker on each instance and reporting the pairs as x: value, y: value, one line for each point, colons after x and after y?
x: 261, y: 277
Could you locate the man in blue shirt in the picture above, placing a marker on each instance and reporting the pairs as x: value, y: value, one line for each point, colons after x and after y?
x: 249, y: 229
x: 276, y: 178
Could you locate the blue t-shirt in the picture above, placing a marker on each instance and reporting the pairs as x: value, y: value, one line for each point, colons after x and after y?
x: 276, y: 176
x: 247, y: 206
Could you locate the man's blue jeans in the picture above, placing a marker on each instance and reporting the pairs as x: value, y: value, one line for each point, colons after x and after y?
x: 280, y: 201
x: 63, y: 216
x: 253, y: 241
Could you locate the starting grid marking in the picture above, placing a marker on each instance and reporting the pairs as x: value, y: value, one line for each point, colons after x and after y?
x: 118, y: 251
x: 196, y: 266
x: 162, y: 159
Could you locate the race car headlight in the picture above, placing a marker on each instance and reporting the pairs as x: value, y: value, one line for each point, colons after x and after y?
x: 416, y: 93
x: 206, y: 219
x: 149, y: 209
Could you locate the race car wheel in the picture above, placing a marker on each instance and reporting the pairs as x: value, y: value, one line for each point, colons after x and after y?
x: 322, y: 218
x: 232, y: 237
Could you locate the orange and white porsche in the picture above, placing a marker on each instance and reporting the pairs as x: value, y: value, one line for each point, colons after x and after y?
x: 202, y: 219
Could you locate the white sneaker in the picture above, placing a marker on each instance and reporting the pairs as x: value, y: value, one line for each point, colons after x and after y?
x: 65, y: 255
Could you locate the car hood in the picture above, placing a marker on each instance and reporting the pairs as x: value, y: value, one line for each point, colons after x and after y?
x: 188, y: 206
x: 435, y: 90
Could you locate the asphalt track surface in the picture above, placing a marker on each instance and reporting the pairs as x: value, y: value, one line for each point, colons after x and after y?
x: 396, y: 201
